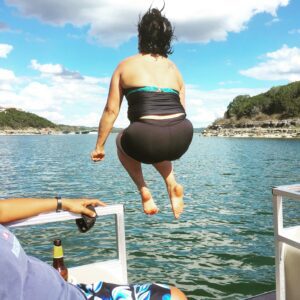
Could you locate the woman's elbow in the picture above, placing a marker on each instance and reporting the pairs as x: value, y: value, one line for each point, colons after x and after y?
x: 111, y: 112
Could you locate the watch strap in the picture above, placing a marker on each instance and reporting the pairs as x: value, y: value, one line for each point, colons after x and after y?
x: 59, y: 204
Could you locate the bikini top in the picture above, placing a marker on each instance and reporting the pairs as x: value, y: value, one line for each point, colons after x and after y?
x: 151, y: 100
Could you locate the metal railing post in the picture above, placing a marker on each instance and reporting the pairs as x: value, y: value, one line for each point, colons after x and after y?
x: 279, y: 247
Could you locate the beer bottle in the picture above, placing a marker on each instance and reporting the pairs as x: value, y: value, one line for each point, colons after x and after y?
x: 58, y: 259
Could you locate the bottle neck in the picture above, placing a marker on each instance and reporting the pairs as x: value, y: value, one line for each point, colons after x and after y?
x: 58, y: 252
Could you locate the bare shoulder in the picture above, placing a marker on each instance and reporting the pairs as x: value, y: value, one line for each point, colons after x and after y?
x: 127, y: 61
x: 172, y: 65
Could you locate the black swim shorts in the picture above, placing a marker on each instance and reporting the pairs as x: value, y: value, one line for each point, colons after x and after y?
x: 151, y: 141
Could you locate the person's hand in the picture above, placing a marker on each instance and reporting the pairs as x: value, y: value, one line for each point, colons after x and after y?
x: 79, y: 206
x: 98, y: 154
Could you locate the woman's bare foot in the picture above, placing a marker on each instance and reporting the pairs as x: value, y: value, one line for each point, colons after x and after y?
x: 176, y: 198
x: 149, y: 205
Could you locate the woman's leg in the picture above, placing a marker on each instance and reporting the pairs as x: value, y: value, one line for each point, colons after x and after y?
x: 134, y: 169
x: 175, y: 190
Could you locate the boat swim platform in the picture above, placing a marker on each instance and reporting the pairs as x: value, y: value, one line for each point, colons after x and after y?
x: 114, y: 270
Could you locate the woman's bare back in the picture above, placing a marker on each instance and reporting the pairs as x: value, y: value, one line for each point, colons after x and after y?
x: 149, y: 70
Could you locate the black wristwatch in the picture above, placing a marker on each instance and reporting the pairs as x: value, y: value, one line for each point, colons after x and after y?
x: 59, y: 204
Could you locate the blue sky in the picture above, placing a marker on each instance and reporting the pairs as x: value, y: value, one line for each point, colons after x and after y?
x: 56, y: 57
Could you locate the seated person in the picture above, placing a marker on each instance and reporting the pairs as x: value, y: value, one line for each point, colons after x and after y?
x: 25, y: 277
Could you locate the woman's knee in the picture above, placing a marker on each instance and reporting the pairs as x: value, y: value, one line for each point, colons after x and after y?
x: 177, y: 294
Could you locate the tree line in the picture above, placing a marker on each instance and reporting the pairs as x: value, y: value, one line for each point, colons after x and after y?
x: 17, y: 119
x: 12, y: 118
x: 281, y: 100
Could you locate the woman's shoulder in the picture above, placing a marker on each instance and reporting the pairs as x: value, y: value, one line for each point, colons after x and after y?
x: 174, y: 67
x: 125, y: 64
x: 171, y: 63
x: 138, y: 58
x: 129, y: 60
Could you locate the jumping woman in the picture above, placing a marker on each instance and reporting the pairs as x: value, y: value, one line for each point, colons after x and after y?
x: 159, y: 131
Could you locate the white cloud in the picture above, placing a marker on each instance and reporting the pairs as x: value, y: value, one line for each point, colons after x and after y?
x: 294, y: 31
x: 46, y: 68
x: 54, y: 69
x: 282, y: 64
x: 7, y: 79
x: 37, y: 97
x: 229, y: 82
x: 273, y: 21
x: 52, y: 115
x: 67, y: 100
x: 203, y: 107
x: 114, y: 22
x: 54, y: 93
x: 5, y: 49
x: 91, y: 119
x: 7, y: 75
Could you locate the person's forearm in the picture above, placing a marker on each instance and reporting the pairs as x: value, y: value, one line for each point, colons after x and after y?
x: 105, y: 126
x: 20, y: 208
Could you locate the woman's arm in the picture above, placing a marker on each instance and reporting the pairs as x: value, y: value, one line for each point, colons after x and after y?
x: 182, y: 87
x: 182, y: 95
x: 19, y: 208
x: 109, y: 115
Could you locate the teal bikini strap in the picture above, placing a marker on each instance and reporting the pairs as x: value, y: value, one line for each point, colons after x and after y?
x: 152, y: 89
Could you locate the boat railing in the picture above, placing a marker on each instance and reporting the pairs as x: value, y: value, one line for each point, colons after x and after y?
x: 112, y: 270
x: 287, y: 246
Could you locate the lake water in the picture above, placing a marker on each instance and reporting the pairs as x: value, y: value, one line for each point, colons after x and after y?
x: 221, y: 248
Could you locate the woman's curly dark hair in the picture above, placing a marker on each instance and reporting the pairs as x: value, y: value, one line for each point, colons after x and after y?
x: 155, y: 33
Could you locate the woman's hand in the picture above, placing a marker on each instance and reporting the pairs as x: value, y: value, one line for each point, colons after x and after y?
x: 79, y: 206
x: 98, y: 154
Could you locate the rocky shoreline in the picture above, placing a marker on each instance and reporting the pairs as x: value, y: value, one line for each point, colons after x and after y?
x: 30, y: 131
x: 289, y: 128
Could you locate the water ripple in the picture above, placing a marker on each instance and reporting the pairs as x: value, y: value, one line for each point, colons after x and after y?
x: 221, y: 248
